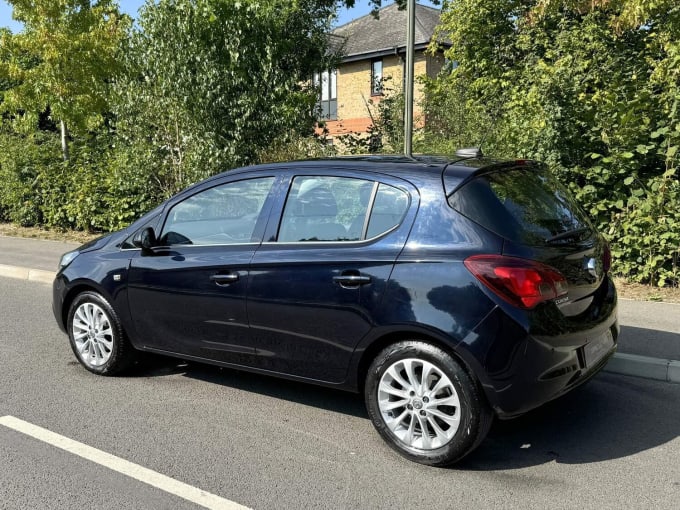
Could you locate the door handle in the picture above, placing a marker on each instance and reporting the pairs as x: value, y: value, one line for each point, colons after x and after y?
x: 224, y: 279
x: 351, y: 280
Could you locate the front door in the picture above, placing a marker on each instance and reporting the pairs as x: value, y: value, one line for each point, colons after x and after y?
x: 189, y: 295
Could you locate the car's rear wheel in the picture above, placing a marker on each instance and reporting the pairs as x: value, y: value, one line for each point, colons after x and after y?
x: 96, y: 335
x: 424, y: 404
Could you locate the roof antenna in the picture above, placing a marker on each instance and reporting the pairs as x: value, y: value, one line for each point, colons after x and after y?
x: 469, y: 152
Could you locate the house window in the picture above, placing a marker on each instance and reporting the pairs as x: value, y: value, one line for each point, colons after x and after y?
x: 327, y: 84
x: 376, y: 77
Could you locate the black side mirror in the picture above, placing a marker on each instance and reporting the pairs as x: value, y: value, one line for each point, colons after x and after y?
x: 146, y: 239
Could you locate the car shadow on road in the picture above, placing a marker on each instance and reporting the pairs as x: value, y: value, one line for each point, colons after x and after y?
x: 307, y: 394
x: 611, y: 417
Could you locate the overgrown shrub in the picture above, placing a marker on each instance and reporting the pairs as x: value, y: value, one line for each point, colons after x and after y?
x: 96, y: 190
x: 293, y: 146
x: 23, y: 160
x: 591, y: 88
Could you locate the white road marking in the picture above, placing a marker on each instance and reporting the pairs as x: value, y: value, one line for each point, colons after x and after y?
x: 148, y: 476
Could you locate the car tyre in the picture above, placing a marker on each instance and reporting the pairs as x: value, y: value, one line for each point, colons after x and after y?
x: 97, y: 337
x: 413, y: 386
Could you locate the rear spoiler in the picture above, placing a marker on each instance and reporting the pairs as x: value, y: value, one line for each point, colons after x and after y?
x: 456, y: 174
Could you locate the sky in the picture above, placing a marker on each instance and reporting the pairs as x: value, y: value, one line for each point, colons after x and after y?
x: 131, y: 7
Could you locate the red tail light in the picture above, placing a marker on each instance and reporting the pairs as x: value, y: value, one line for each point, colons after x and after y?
x: 521, y: 282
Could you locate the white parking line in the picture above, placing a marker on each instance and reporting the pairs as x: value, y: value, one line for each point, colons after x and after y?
x: 165, y: 483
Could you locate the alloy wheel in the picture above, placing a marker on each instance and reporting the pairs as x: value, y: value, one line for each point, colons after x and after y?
x: 419, y: 403
x: 92, y: 334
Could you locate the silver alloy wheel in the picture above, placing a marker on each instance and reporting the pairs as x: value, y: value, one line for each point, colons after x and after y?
x: 92, y: 334
x: 419, y: 403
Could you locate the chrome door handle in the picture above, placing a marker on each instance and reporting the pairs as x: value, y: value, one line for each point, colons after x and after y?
x: 224, y: 279
x: 352, y: 280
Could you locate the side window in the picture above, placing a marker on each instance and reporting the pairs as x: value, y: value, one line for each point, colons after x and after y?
x: 325, y: 209
x: 389, y: 208
x: 225, y: 214
x: 336, y: 209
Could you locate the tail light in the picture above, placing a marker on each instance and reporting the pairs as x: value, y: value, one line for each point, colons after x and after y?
x: 521, y: 282
x: 606, y: 258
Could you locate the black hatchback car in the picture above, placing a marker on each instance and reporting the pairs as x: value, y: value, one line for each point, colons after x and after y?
x: 448, y: 291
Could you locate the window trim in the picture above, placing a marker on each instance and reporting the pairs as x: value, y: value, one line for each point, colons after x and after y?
x: 377, y: 84
x: 332, y: 98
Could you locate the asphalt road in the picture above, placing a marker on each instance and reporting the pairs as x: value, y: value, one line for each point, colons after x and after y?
x: 33, y: 253
x: 266, y: 443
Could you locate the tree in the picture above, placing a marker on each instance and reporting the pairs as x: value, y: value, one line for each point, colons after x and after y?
x: 210, y: 83
x: 63, y: 59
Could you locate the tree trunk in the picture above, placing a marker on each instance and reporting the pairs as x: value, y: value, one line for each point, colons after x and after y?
x: 64, y: 141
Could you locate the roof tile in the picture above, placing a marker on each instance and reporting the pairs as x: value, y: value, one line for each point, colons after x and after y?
x: 369, y: 35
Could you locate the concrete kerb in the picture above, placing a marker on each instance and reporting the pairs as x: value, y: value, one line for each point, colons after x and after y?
x: 26, y: 273
x: 621, y: 363
x: 643, y: 366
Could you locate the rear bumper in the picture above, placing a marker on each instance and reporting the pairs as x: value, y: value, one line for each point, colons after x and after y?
x: 527, y: 394
x: 524, y: 367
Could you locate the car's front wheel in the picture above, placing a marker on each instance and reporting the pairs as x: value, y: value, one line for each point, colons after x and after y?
x: 96, y: 335
x: 424, y: 404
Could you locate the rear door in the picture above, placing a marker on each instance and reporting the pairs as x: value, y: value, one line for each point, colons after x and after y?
x: 316, y: 283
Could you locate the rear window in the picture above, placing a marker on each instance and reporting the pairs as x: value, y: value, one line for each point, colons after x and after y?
x: 525, y: 205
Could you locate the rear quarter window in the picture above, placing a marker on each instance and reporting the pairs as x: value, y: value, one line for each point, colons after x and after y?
x: 526, y: 205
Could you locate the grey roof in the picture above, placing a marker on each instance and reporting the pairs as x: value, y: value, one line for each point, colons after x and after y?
x: 367, y: 35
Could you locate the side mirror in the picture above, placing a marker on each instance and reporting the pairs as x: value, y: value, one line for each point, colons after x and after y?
x: 146, y: 239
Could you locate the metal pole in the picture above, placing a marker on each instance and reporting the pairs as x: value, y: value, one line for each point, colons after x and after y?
x: 408, y: 82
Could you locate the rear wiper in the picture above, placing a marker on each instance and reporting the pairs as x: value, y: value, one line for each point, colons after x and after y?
x: 569, y: 234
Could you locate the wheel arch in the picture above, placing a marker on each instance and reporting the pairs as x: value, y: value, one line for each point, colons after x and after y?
x: 74, y: 291
x: 371, y: 350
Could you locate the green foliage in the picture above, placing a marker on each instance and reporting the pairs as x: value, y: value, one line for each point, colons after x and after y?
x: 209, y: 83
x: 648, y: 233
x: 23, y: 159
x: 97, y: 190
x: 592, y: 88
x: 62, y: 59
x: 293, y: 146
x: 197, y: 87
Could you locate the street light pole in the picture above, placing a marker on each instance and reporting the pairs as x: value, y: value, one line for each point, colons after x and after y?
x: 408, y: 82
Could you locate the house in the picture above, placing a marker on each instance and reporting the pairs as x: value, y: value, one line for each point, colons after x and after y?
x: 372, y: 66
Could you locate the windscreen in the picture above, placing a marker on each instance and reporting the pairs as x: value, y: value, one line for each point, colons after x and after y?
x: 525, y: 205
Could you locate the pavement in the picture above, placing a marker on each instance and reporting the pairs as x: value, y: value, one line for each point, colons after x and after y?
x: 649, y: 344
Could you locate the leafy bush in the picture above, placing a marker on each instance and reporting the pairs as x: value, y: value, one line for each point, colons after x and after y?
x: 592, y: 89
x: 647, y: 233
x: 23, y: 160
x: 294, y: 146
x: 96, y: 190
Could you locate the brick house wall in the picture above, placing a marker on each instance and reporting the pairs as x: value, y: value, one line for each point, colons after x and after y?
x: 346, y: 103
x: 354, y: 90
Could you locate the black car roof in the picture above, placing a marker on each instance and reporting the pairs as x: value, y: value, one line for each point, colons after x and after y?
x: 453, y: 170
x: 397, y: 165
